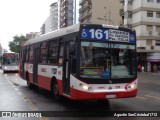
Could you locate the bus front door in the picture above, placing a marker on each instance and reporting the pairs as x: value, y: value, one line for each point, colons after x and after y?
x: 35, y: 65
x: 66, y: 70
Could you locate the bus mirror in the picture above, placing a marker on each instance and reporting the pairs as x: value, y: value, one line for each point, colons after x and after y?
x: 72, y: 47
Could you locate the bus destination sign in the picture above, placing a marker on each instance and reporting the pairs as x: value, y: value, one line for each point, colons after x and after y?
x: 107, y: 34
x: 116, y: 35
x: 10, y: 54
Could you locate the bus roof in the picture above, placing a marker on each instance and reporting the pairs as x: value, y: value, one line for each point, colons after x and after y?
x: 54, y: 34
x: 65, y: 31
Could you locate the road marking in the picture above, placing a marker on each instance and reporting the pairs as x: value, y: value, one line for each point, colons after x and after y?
x: 145, y: 81
x: 44, y: 118
x: 31, y: 105
x: 141, y: 97
x: 152, y: 96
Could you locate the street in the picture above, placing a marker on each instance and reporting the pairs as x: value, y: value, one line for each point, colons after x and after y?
x: 16, y: 96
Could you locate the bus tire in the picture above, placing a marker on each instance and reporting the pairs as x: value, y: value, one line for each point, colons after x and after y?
x: 55, y: 91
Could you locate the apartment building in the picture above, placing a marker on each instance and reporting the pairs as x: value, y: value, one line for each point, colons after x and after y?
x: 32, y: 35
x: 100, y: 11
x: 54, y: 16
x: 45, y: 28
x: 66, y: 13
x: 144, y: 17
x: 1, y: 50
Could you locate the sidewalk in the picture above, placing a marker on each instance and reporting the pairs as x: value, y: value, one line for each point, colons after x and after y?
x: 149, y: 76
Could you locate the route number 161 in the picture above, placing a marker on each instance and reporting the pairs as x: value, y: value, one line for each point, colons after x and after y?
x: 99, y: 34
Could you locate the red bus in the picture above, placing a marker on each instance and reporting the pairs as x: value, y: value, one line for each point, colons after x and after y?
x: 10, y: 62
x: 82, y: 62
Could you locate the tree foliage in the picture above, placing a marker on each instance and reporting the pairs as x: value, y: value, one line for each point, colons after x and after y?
x: 15, y: 44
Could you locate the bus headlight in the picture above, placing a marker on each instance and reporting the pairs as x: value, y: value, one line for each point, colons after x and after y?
x: 5, y: 67
x: 131, y: 86
x: 86, y: 87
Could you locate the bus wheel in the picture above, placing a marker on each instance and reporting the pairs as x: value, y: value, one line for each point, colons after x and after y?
x: 55, y: 91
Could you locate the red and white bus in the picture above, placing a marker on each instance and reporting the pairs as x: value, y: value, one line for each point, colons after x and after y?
x: 82, y: 62
x: 10, y: 62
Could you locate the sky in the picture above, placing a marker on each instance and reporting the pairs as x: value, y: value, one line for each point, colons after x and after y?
x: 20, y: 17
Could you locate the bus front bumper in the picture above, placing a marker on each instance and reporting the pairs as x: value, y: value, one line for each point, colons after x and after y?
x: 81, y: 95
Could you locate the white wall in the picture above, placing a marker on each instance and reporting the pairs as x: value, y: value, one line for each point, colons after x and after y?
x: 150, y: 4
x: 136, y: 4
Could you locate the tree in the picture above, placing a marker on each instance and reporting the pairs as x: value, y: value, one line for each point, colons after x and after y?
x: 15, y: 44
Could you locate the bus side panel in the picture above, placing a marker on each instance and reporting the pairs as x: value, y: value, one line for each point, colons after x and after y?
x: 45, y: 75
x: 44, y: 82
x: 31, y: 77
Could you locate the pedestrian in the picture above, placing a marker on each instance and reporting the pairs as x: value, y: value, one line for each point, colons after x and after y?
x: 139, y: 68
x: 142, y: 68
x: 155, y: 68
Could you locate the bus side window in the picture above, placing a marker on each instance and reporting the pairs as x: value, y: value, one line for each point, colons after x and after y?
x: 53, y: 52
x: 31, y: 54
x: 60, y: 58
x: 27, y: 54
x: 43, y: 53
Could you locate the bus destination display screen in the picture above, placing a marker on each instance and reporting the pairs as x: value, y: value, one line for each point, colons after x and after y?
x: 108, y: 35
x: 9, y: 54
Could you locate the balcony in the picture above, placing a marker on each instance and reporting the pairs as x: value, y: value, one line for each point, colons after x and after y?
x: 81, y: 2
x: 121, y: 11
x: 121, y: 1
x: 80, y: 10
x: 64, y: 3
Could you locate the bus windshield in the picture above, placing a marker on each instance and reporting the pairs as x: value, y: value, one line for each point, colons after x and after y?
x: 10, y: 60
x: 107, y: 60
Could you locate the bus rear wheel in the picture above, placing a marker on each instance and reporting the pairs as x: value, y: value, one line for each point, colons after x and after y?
x: 55, y: 91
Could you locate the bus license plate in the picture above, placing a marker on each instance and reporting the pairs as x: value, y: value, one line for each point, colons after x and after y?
x: 111, y: 96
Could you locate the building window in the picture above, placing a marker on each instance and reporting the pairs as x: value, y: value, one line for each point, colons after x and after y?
x: 130, y: 2
x: 158, y: 1
x: 128, y: 14
x: 158, y: 14
x: 149, y: 28
x: 150, y: 0
x: 129, y: 26
x: 158, y: 29
x: 149, y: 14
x: 157, y: 42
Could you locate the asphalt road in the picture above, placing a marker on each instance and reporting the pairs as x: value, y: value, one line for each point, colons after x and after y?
x: 16, y: 96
